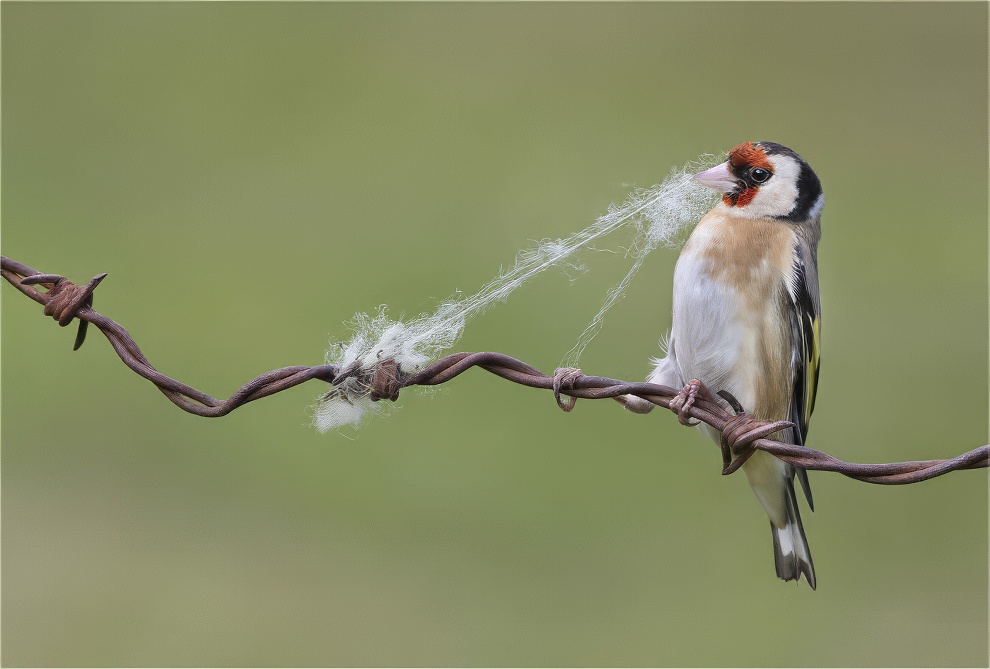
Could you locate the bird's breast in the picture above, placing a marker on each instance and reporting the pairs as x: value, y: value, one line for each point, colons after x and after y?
x: 731, y: 324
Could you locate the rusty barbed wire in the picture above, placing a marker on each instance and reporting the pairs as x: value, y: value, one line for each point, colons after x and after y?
x: 742, y: 434
x: 65, y: 300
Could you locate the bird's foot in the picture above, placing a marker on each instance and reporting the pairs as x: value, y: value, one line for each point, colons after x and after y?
x: 684, y: 400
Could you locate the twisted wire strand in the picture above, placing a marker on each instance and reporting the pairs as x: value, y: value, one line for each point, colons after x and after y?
x: 742, y: 434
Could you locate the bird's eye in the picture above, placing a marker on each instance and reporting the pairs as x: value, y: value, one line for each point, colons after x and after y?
x: 759, y: 175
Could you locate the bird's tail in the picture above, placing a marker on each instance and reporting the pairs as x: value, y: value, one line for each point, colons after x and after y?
x: 790, y: 546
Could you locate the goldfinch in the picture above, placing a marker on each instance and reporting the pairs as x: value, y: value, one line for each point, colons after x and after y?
x: 746, y: 319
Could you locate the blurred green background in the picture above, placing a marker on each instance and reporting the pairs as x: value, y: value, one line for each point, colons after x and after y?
x: 251, y: 175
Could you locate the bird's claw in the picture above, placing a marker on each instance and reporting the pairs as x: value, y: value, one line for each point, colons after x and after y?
x: 684, y: 400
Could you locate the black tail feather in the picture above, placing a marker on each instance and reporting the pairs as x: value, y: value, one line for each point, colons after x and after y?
x: 790, y: 565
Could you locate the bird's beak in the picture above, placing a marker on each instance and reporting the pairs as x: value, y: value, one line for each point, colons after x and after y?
x: 719, y: 178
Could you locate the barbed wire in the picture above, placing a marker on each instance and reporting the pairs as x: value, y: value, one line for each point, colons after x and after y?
x: 741, y: 433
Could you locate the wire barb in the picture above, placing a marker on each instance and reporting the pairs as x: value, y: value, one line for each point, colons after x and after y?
x: 65, y: 299
x: 742, y: 434
x: 563, y: 378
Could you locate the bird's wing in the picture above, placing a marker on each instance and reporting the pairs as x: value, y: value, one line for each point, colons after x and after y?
x: 805, y: 338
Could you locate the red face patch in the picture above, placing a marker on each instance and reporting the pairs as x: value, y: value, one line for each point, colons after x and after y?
x: 742, y: 158
x: 749, y: 155
x: 740, y: 199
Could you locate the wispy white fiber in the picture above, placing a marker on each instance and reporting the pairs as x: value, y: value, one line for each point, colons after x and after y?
x: 661, y: 216
x: 658, y: 216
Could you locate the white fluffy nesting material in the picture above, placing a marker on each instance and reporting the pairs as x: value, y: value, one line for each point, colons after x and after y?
x: 658, y: 216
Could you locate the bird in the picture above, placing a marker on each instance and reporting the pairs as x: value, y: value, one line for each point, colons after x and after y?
x: 747, y: 321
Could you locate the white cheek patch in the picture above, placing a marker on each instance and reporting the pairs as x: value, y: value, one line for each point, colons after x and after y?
x: 779, y: 195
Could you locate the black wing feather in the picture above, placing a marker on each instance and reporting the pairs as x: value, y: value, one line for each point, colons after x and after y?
x: 805, y: 330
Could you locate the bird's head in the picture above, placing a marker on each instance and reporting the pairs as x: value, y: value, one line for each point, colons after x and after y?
x: 766, y: 180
